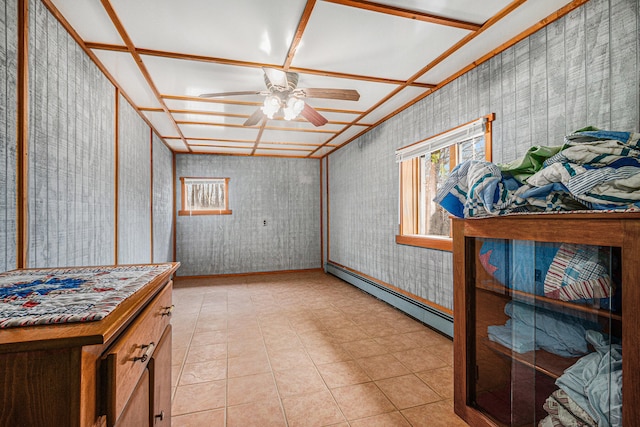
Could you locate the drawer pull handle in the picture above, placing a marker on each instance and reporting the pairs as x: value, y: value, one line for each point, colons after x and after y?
x: 147, y: 353
x: 167, y: 310
x: 160, y: 416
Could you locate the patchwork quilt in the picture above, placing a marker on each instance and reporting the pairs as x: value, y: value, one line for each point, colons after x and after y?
x: 63, y: 295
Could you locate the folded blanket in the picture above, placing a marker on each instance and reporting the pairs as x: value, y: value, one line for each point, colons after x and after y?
x: 565, y: 412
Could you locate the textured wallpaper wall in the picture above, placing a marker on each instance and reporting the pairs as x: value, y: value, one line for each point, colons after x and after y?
x: 8, y: 64
x: 162, y: 202
x: 283, y: 192
x: 581, y: 70
x: 134, y: 187
x: 71, y: 150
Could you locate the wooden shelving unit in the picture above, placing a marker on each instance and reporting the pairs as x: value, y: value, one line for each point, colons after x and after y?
x: 519, y: 383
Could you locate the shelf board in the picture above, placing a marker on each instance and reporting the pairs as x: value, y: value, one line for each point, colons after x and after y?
x: 546, y: 301
x: 542, y: 361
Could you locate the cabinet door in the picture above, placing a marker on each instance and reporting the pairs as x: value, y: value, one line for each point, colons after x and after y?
x: 160, y: 369
x: 136, y: 413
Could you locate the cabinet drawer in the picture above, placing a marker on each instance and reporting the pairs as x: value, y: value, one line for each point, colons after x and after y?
x: 126, y: 360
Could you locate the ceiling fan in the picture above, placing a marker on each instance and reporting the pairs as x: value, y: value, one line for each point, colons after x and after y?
x: 284, y: 94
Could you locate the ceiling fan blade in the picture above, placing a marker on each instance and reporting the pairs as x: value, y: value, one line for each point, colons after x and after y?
x: 220, y: 94
x: 255, y: 118
x: 313, y: 116
x: 343, y: 94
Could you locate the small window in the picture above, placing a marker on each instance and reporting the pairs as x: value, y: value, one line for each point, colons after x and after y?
x: 424, y: 168
x: 205, y: 196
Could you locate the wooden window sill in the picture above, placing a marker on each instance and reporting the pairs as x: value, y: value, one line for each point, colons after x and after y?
x: 440, y: 243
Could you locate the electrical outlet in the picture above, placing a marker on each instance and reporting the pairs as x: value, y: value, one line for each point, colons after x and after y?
x: 264, y: 223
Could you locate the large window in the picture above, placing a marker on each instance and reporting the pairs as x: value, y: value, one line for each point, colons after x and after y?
x: 205, y: 196
x: 424, y: 167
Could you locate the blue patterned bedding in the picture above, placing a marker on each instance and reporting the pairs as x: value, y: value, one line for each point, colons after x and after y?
x: 593, y: 170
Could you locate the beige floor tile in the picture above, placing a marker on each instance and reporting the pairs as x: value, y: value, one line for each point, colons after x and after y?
x: 242, y: 334
x: 444, y: 352
x: 177, y: 355
x: 439, y: 414
x: 199, y: 397
x: 203, y: 372
x: 328, y: 353
x: 205, y: 353
x: 175, y: 374
x: 199, y: 419
x: 361, y: 400
x: 312, y: 410
x: 209, y: 337
x: 353, y: 333
x: 440, y: 379
x: 391, y: 419
x: 395, y: 343
x: 382, y: 366
x: 252, y: 388
x: 407, y: 391
x: 282, y: 359
x: 299, y: 380
x: 340, y: 374
x: 256, y: 414
x: 247, y: 347
x: 419, y: 359
x: 257, y: 363
x: 364, y: 348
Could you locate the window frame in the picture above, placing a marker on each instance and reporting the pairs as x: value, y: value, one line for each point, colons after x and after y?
x: 409, y: 183
x: 184, y: 209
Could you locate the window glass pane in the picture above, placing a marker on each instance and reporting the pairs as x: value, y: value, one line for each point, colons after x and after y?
x: 435, y: 170
x: 472, y: 149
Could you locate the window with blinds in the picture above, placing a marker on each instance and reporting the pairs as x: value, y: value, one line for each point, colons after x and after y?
x: 424, y: 168
x: 205, y: 196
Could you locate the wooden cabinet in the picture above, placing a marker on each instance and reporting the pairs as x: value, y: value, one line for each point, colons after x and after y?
x: 102, y: 373
x: 540, y: 330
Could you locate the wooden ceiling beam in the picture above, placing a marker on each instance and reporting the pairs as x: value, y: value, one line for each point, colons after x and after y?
x: 304, y: 20
x: 409, y: 14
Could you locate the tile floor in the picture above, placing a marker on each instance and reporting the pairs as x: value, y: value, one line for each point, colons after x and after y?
x: 303, y: 349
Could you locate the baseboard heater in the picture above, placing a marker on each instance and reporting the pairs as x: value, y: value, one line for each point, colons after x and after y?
x: 436, y: 319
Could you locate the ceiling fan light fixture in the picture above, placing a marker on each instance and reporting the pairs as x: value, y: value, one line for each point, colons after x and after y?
x: 271, y: 106
x: 293, y: 108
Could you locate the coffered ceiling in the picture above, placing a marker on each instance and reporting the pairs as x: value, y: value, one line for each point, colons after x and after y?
x: 163, y: 54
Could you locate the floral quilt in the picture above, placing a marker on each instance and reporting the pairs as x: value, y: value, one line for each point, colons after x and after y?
x: 64, y: 295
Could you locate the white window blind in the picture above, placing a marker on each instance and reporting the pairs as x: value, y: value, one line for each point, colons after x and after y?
x: 461, y: 133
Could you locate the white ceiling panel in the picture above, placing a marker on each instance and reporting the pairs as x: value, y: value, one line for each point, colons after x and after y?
x: 197, y: 143
x: 463, y: 10
x: 176, y: 144
x: 401, y: 98
x: 348, y: 134
x: 248, y: 30
x: 89, y: 20
x: 161, y: 123
x: 219, y: 132
x: 180, y: 117
x: 501, y: 32
x: 192, y: 78
x: 357, y: 41
x: 124, y: 69
x: 212, y: 107
x: 282, y: 153
x: 323, y: 151
x: 306, y: 147
x: 294, y: 137
x: 222, y: 150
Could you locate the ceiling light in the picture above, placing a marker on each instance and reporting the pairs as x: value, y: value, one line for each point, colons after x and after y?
x: 293, y: 108
x: 271, y: 106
